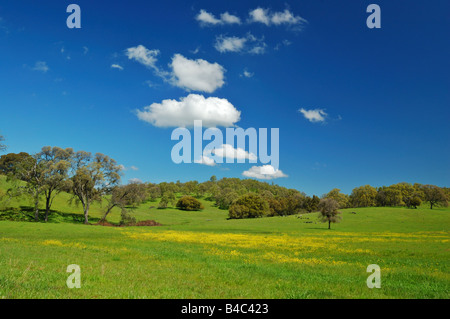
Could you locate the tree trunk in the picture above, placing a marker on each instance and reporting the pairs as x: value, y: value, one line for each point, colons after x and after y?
x: 36, y: 206
x: 107, y: 212
x: 86, y: 214
x: 47, y: 208
x: 329, y: 224
x: 431, y: 205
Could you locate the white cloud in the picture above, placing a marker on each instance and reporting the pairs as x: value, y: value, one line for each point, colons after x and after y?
x: 116, y: 66
x: 317, y: 115
x: 41, y: 66
x: 247, y: 44
x: 264, y: 172
x: 228, y: 151
x: 85, y: 50
x: 260, y: 15
x: 229, y: 18
x: 123, y: 168
x: 143, y: 55
x: 206, y: 18
x: 230, y: 44
x: 135, y: 181
x: 247, y: 74
x: 205, y: 160
x: 212, y: 111
x: 264, y: 16
x: 198, y: 75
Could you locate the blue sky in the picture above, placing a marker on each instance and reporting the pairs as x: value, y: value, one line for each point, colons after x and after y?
x: 381, y: 96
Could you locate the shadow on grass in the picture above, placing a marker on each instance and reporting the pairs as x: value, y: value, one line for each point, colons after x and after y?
x: 26, y: 214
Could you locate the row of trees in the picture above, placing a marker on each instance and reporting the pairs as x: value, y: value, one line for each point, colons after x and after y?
x: 401, y: 194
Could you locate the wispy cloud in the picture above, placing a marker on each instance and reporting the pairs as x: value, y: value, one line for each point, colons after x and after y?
x: 116, y: 66
x: 246, y: 44
x: 41, y: 66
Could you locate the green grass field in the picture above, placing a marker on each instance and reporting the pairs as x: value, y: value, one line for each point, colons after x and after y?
x: 204, y: 255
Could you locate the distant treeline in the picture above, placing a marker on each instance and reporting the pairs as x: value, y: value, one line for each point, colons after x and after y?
x: 95, y: 177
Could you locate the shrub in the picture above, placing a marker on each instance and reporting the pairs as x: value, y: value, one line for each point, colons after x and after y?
x: 189, y: 203
x: 248, y: 206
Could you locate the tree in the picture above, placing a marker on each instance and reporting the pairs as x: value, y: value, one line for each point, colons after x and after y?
x: 163, y: 202
x: 342, y: 199
x: 412, y: 201
x: 311, y: 204
x: 248, y: 206
x: 31, y: 170
x: 328, y: 208
x: 8, y: 162
x: 56, y: 162
x: 94, y: 175
x: 126, y: 195
x: 363, y: 196
x: 434, y: 195
x: 189, y: 203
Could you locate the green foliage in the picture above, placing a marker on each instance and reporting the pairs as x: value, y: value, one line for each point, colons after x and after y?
x: 126, y: 218
x: 189, y: 203
x: 342, y: 199
x: 248, y: 206
x: 311, y: 204
x: 363, y: 196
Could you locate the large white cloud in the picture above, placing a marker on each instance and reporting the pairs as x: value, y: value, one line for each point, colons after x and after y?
x: 212, y: 111
x: 198, y: 75
x: 264, y: 172
x: 316, y: 115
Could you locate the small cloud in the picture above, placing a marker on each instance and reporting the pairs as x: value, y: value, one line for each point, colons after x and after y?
x: 205, y: 160
x: 41, y: 66
x: 264, y: 172
x: 314, y: 116
x: 124, y: 168
x: 135, y: 181
x: 85, y: 50
x: 248, y: 44
x: 228, y: 151
x: 264, y: 16
x: 116, y: 66
x: 247, y: 74
x: 206, y: 18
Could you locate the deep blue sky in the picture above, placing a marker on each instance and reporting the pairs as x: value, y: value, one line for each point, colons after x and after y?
x: 385, y: 91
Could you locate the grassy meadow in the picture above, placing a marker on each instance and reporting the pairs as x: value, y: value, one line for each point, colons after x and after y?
x: 204, y: 255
